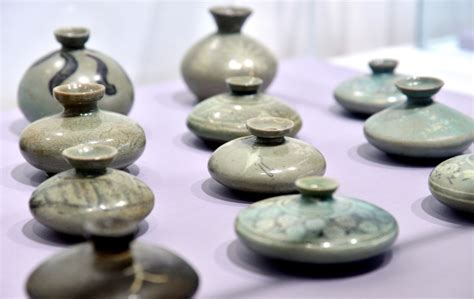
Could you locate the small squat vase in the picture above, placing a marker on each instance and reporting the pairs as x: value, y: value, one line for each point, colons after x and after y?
x: 369, y: 94
x: 267, y: 161
x: 316, y: 226
x: 222, y: 118
x: 420, y: 127
x: 452, y: 183
x: 224, y: 54
x: 112, y: 265
x: 73, y: 63
x: 66, y: 201
x: 42, y: 142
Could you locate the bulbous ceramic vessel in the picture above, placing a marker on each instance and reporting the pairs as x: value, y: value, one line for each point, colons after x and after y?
x: 73, y: 63
x: 420, y: 127
x: 222, y: 117
x: 224, y: 54
x: 452, y: 183
x: 66, y: 201
x: 267, y: 162
x: 369, y: 94
x: 109, y: 266
x: 43, y: 141
x: 316, y: 226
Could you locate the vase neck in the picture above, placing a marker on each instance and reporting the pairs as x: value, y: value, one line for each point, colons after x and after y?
x: 230, y: 19
x: 80, y: 110
x: 270, y: 141
x: 88, y: 172
x: 422, y: 101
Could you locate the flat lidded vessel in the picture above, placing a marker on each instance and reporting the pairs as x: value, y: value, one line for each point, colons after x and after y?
x: 452, y: 183
x: 267, y: 161
x: 420, y: 127
x: 81, y: 122
x: 223, y: 117
x: 316, y: 226
x: 111, y: 267
x: 68, y: 200
x: 372, y: 93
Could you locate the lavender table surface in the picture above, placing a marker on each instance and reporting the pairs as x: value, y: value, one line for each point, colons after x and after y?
x: 193, y: 216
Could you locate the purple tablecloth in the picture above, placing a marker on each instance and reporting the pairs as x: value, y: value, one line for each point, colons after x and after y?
x: 193, y: 216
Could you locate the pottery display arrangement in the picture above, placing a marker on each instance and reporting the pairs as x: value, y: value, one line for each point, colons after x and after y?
x: 233, y: 54
x: 111, y: 265
x: 73, y: 63
x: 68, y: 200
x: 81, y: 122
x: 420, y: 127
x: 369, y: 94
x: 452, y: 183
x: 316, y: 226
x: 267, y: 161
x: 223, y: 117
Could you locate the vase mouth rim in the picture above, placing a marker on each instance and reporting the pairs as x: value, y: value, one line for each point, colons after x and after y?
x: 419, y: 86
x: 383, y: 65
x: 230, y: 11
x: 72, y: 32
x: 316, y: 186
x: 244, y: 84
x: 270, y: 127
x: 79, y: 93
x: 81, y: 155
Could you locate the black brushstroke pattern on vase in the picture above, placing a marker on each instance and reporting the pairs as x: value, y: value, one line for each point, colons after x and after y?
x: 103, y: 71
x: 70, y: 66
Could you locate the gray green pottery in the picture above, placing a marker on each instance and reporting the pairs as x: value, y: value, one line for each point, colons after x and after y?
x: 226, y: 53
x: 81, y: 122
x: 369, y: 94
x: 111, y: 265
x: 420, y: 127
x: 66, y: 201
x: 73, y: 63
x: 222, y: 117
x: 315, y: 226
x: 452, y: 183
x: 267, y: 161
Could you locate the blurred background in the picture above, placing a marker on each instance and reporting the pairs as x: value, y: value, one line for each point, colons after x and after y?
x: 149, y: 38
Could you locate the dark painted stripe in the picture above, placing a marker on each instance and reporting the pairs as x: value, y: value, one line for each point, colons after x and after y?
x: 103, y: 71
x: 69, y: 68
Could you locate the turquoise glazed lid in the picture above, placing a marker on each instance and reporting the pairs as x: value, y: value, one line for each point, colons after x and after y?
x: 452, y: 182
x: 222, y: 118
x: 315, y: 226
x: 420, y: 127
x: 369, y: 94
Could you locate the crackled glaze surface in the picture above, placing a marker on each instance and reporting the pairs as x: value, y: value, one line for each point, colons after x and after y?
x: 312, y: 229
x: 452, y: 182
x: 232, y: 53
x: 73, y: 65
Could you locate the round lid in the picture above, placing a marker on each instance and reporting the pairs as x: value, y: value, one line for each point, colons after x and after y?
x: 380, y: 66
x: 316, y: 226
x: 244, y: 84
x: 72, y: 37
x: 419, y: 87
x: 90, y: 157
x: 269, y: 127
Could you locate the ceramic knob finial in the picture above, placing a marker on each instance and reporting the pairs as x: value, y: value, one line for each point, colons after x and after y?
x: 316, y: 186
x: 419, y: 87
x: 269, y: 127
x: 72, y: 37
x: 244, y: 84
x: 111, y: 234
x: 76, y: 94
x: 230, y: 19
x: 90, y: 158
x: 382, y: 66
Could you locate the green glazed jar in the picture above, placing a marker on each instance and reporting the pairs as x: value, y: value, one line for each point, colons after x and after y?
x: 267, y: 161
x: 369, y: 94
x: 222, y: 118
x: 112, y: 265
x: 452, y: 183
x: 420, y: 127
x: 316, y: 226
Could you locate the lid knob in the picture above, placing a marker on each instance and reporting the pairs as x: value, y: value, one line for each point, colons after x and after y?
x: 244, y: 84
x: 91, y: 158
x: 419, y: 87
x: 269, y: 127
x: 380, y: 66
x: 75, y: 94
x: 230, y: 19
x: 316, y: 186
x: 72, y: 37
x: 111, y: 234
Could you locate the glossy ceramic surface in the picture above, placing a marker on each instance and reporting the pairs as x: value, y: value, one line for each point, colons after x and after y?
x: 420, y: 127
x: 266, y: 162
x: 369, y: 94
x: 452, y: 182
x: 73, y: 63
x: 224, y: 54
x: 222, y: 117
x: 111, y: 267
x: 68, y: 200
x: 315, y: 226
x: 42, y: 142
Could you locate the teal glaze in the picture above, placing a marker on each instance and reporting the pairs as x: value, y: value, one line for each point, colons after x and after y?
x: 315, y: 226
x: 420, y: 127
x: 372, y: 93
x: 452, y: 182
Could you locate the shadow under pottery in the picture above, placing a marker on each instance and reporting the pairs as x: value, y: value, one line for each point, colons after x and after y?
x: 220, y: 192
x: 17, y: 126
x: 341, y: 112
x: 28, y: 175
x: 432, y: 210
x: 132, y: 169
x: 244, y: 258
x: 192, y: 141
x: 184, y: 98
